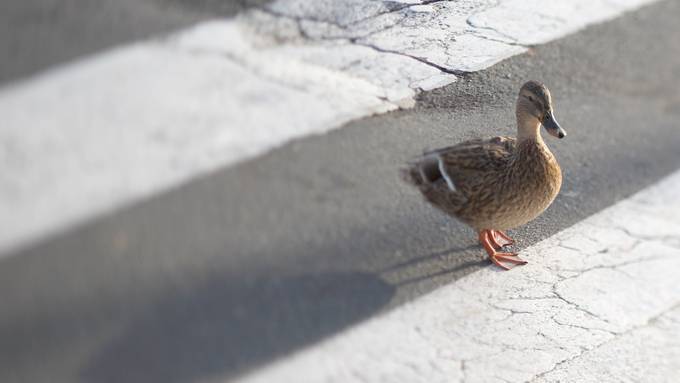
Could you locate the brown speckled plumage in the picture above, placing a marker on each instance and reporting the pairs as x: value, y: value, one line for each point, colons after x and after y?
x: 498, y: 183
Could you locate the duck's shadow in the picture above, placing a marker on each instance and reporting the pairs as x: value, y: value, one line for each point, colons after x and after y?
x: 225, y: 325
x: 228, y: 325
x: 464, y: 267
x: 428, y: 257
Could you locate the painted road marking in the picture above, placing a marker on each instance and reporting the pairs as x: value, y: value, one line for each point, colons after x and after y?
x: 609, y: 281
x: 104, y: 132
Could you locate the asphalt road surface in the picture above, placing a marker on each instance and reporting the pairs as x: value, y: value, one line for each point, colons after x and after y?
x: 257, y: 260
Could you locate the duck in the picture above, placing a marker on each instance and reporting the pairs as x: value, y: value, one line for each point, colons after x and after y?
x: 499, y: 183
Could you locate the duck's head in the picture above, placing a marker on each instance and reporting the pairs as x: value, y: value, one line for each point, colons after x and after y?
x: 534, y: 108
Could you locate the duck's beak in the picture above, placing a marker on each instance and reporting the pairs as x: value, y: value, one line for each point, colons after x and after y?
x: 552, y: 127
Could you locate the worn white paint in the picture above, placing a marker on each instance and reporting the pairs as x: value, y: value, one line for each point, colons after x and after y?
x: 609, y: 283
x: 650, y: 353
x: 109, y: 130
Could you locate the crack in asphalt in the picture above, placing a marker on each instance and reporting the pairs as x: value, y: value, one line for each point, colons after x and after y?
x: 578, y: 307
x: 650, y: 322
x: 459, y: 73
x: 398, y: 7
x: 475, y: 27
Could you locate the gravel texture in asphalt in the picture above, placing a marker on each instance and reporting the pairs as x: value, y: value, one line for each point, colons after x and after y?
x: 259, y: 259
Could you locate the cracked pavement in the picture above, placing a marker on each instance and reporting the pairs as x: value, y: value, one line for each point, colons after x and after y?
x: 604, y: 284
x: 434, y: 41
x: 651, y: 353
x: 237, y: 269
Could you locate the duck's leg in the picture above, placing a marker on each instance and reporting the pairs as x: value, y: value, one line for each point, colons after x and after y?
x: 501, y: 239
x: 501, y: 259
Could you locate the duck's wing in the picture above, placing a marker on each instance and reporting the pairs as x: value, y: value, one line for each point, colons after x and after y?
x: 460, y: 165
x: 480, y: 155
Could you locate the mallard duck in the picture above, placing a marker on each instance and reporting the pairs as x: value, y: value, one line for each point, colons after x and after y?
x: 498, y: 183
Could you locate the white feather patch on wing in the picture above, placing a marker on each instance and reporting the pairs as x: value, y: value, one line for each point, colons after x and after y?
x: 446, y: 176
x: 422, y: 174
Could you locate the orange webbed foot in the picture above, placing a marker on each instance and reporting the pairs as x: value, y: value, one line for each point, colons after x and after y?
x: 490, y: 240
x: 507, y: 260
x: 501, y: 238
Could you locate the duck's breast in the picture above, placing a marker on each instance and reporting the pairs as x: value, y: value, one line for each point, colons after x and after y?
x: 538, y: 179
x: 522, y: 192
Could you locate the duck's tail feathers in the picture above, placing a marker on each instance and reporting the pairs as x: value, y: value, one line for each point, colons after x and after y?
x: 411, y: 174
x: 426, y: 171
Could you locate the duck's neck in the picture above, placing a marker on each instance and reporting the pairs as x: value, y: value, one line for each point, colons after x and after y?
x: 528, y: 128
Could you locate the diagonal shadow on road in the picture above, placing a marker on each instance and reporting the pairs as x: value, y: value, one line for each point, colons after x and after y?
x: 215, y: 330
